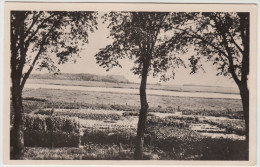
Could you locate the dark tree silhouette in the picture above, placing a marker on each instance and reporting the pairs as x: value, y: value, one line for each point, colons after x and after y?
x: 138, y: 36
x: 222, y: 38
x: 36, y: 38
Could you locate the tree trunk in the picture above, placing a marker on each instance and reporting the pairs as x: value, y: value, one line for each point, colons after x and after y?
x: 142, y: 115
x: 18, y: 129
x: 244, y: 93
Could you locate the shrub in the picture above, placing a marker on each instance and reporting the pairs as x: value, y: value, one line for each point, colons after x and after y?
x: 134, y: 113
x: 178, y: 122
x: 231, y: 126
x: 44, y: 112
x: 123, y: 107
x: 92, y: 116
x: 216, y: 113
x: 51, y: 123
x: 50, y: 131
x: 38, y: 138
x: 114, y: 136
x: 130, y: 113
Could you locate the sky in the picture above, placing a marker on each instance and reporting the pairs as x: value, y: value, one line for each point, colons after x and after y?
x: 98, y: 40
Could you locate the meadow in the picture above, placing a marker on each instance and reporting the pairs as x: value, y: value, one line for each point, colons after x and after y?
x: 102, y: 125
x: 117, y: 84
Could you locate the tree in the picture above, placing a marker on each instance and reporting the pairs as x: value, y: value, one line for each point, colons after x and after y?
x: 138, y: 36
x: 35, y: 37
x: 222, y: 38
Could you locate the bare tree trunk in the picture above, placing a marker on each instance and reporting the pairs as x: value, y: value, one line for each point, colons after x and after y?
x: 244, y: 93
x: 18, y: 130
x: 142, y: 115
x: 18, y: 58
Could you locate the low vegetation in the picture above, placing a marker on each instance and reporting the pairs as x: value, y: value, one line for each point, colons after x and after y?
x: 97, y: 100
x: 79, y: 114
x: 81, y: 77
x: 50, y: 131
x: 55, y: 129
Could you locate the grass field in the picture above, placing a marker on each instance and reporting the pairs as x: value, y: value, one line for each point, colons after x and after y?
x: 178, y: 128
x: 133, y: 100
x: 183, y: 88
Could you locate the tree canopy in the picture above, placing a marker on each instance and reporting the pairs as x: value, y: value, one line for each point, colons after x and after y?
x: 142, y: 36
x: 217, y: 37
x: 36, y: 35
x: 223, y: 39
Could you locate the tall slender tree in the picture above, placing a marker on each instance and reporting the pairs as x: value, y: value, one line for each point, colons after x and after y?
x: 222, y: 38
x: 36, y: 36
x: 138, y: 36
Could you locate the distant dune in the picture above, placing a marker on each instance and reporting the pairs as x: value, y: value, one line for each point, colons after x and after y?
x: 81, y: 77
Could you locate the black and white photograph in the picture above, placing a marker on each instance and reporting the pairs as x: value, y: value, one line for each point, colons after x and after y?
x: 130, y: 82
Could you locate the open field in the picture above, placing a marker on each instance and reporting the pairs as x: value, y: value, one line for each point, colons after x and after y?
x: 109, y: 134
x: 178, y: 128
x: 182, y: 88
x: 131, y: 101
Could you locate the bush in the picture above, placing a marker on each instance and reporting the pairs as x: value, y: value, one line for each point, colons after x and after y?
x: 92, y: 116
x: 50, y: 131
x: 51, y: 123
x: 44, y: 112
x: 178, y: 122
x: 38, y: 138
x: 115, y: 136
x: 186, y: 144
x: 231, y: 126
x: 216, y: 113
x: 123, y: 107
x: 130, y: 113
x: 134, y: 113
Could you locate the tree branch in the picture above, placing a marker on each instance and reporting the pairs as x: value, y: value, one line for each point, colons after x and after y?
x: 194, y: 35
x: 233, y: 73
x: 33, y: 23
x: 157, y: 32
x: 234, y: 42
x: 27, y: 74
x: 230, y: 59
x: 38, y: 28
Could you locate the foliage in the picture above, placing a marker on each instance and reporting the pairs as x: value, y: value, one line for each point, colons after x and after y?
x: 38, y: 35
x: 139, y: 36
x: 176, y: 145
x: 215, y: 113
x: 134, y: 113
x: 37, y: 39
x: 51, y: 123
x: 231, y: 126
x: 179, y: 122
x: 81, y: 77
x: 92, y: 116
x: 217, y: 37
x: 44, y: 112
x: 203, y: 110
x: 50, y: 131
x: 89, y: 152
x: 39, y: 138
x: 185, y: 144
x: 166, y: 139
x: 108, y: 136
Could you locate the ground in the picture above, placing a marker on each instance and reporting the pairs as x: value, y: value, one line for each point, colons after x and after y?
x: 177, y: 127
